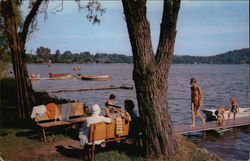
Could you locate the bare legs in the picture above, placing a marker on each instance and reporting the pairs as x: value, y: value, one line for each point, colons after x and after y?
x: 193, y: 117
x: 196, y: 111
x: 229, y: 115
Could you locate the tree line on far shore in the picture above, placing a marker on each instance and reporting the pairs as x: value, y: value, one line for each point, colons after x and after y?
x: 44, y: 55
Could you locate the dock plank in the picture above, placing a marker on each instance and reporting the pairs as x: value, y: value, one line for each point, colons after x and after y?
x: 212, y: 125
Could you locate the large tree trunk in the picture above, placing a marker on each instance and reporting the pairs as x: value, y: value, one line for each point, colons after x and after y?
x: 25, y: 93
x: 151, y: 72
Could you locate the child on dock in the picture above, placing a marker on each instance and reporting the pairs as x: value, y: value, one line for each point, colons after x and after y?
x: 196, y: 101
x: 235, y: 107
x: 220, y: 114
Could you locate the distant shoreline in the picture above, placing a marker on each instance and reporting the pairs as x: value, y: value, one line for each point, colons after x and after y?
x: 240, y: 56
x: 132, y: 63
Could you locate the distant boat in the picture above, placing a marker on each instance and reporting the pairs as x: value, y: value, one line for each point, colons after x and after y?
x: 32, y: 76
x: 243, y: 112
x: 59, y: 75
x: 77, y: 68
x: 95, y: 77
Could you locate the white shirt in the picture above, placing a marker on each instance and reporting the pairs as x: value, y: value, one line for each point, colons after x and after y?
x: 92, y: 120
x: 38, y: 110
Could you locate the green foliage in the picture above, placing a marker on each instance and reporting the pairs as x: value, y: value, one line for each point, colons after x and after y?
x: 4, y: 46
x: 43, y: 55
x: 3, y: 69
x: 232, y: 57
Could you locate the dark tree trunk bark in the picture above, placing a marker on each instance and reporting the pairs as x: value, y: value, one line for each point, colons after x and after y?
x: 151, y: 73
x: 25, y: 92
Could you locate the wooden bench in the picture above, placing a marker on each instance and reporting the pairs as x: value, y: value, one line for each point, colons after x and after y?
x: 75, y: 115
x: 106, y: 132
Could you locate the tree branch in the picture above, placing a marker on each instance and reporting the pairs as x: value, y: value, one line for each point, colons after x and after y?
x: 61, y: 7
x: 168, y: 32
x: 29, y: 19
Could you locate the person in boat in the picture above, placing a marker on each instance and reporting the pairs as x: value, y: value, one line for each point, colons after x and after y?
x: 219, y: 113
x: 94, y: 118
x: 196, y: 101
x: 234, y: 107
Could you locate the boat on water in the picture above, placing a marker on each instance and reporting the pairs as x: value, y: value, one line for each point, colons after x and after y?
x: 77, y: 68
x: 95, y: 77
x: 59, y: 75
x: 243, y: 112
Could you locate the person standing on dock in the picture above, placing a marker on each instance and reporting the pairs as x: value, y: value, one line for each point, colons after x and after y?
x: 235, y: 107
x: 196, y: 101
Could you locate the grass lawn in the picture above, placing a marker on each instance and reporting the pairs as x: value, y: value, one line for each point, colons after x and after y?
x: 22, y: 145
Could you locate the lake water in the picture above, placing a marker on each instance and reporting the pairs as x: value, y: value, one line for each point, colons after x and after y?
x: 218, y: 83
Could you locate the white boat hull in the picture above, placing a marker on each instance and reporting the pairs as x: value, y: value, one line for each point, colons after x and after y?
x: 243, y: 112
x: 95, y: 77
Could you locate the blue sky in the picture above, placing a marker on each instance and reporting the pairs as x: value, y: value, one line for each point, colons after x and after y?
x: 204, y: 28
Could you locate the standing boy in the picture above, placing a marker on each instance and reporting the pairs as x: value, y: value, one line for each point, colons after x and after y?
x: 235, y: 107
x: 196, y: 101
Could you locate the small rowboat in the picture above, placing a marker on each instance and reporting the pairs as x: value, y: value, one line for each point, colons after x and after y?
x: 77, y: 68
x: 59, y: 75
x: 243, y: 112
x: 95, y: 77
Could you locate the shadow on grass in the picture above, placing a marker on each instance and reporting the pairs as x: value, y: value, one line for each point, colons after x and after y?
x: 71, y: 152
x: 112, y: 151
x: 55, y: 132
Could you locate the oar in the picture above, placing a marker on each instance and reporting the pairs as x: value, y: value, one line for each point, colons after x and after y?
x: 106, y: 104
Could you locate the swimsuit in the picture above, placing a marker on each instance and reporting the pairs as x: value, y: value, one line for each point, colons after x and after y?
x: 233, y: 108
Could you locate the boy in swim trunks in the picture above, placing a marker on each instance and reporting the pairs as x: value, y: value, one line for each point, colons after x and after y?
x: 235, y: 107
x: 196, y: 101
x: 220, y: 114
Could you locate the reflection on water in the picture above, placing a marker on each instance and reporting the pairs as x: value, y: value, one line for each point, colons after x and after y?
x: 218, y: 83
x: 230, y: 145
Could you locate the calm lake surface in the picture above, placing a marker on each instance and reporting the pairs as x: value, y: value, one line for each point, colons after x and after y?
x: 218, y: 83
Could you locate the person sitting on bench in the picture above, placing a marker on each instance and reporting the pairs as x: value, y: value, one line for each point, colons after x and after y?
x: 94, y: 118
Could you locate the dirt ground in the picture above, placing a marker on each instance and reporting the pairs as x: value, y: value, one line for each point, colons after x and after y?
x: 66, y: 150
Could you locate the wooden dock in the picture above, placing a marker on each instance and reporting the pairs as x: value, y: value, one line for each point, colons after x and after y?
x: 83, y: 89
x: 212, y: 125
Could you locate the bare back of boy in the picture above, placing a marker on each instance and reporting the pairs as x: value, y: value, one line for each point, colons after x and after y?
x: 222, y: 110
x: 196, y: 97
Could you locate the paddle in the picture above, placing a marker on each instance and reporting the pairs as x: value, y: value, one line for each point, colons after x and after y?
x: 107, y: 104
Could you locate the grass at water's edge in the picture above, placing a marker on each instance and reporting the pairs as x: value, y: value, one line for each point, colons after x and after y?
x: 22, y: 144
